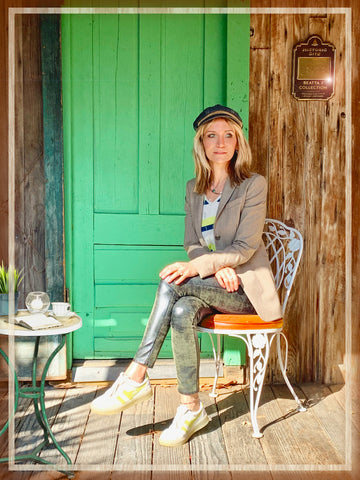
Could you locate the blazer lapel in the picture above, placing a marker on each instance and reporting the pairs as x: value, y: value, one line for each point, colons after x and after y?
x: 225, y: 196
x: 198, y: 210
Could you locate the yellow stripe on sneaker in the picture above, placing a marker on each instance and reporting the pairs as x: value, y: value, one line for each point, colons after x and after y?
x: 129, y: 394
x: 188, y: 423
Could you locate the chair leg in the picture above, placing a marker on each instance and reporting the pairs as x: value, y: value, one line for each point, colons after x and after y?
x: 258, y: 351
x: 283, y: 367
x: 217, y: 360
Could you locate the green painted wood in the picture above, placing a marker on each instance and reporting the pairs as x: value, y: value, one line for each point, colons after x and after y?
x: 139, y: 229
x: 68, y: 186
x: 107, y: 347
x: 116, y: 129
x: 214, y: 60
x: 53, y: 155
x: 118, y: 322
x: 149, y: 113
x: 132, y: 264
x: 66, y: 111
x: 131, y: 97
x: 182, y: 75
x: 79, y: 153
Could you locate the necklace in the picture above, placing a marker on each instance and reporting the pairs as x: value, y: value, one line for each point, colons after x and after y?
x: 213, y: 187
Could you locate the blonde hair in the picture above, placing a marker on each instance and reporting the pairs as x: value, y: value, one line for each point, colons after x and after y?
x: 238, y: 168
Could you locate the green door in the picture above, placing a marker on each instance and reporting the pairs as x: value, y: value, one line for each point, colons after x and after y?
x: 132, y: 86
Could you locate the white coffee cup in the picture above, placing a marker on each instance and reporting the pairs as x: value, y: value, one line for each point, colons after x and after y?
x: 60, y: 308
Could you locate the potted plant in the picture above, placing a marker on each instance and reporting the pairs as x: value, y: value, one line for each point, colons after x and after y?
x: 5, y: 276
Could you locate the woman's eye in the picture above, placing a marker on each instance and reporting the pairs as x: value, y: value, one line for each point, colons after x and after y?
x: 229, y: 135
x: 211, y: 135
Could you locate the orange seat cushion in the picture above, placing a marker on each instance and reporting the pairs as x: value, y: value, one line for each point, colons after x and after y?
x: 221, y: 321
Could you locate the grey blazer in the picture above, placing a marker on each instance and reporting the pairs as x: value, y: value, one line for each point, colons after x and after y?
x: 238, y: 236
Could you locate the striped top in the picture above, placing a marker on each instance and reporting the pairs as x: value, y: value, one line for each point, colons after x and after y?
x: 208, y: 220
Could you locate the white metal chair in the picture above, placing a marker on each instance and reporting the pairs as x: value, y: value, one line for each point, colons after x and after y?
x: 284, y: 246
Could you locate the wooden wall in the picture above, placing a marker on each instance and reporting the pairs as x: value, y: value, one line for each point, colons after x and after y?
x: 38, y: 167
x: 29, y: 156
x: 38, y: 156
x: 300, y: 147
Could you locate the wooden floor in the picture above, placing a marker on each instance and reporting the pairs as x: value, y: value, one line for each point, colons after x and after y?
x: 309, y: 445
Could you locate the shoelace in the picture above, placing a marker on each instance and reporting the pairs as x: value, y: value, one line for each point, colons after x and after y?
x: 116, y: 384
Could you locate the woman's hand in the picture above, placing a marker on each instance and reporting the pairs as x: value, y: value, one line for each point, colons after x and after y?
x: 228, y: 279
x: 178, y: 271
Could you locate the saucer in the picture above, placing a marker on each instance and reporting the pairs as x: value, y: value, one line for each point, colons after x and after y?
x: 67, y: 314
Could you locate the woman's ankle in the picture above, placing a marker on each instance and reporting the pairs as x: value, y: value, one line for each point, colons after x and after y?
x: 136, y: 372
x: 192, y: 402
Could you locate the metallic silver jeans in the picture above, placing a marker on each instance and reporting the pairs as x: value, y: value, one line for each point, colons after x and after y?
x: 181, y: 308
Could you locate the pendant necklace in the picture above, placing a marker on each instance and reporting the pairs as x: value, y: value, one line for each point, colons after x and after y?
x: 213, y: 188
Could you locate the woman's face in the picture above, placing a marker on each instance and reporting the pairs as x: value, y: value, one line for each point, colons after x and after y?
x: 219, y: 142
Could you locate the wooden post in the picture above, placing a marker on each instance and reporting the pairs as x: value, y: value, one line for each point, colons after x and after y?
x: 53, y: 155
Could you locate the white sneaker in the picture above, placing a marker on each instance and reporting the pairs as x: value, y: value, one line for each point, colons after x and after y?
x: 121, y: 395
x: 184, y: 425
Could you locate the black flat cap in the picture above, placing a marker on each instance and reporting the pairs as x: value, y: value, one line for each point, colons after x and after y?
x: 217, y: 111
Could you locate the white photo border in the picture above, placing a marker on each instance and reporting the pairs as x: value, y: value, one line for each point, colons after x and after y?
x: 348, y: 210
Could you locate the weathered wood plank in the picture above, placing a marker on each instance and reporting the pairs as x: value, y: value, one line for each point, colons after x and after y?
x: 315, y: 446
x: 53, y: 155
x: 308, y: 330
x: 258, y: 139
x: 166, y: 403
x: 19, y: 161
x: 251, y: 475
x: 133, y: 474
x: 294, y: 195
x: 70, y: 423
x: 213, y: 473
x: 332, y: 300
x: 279, y: 444
x: 89, y: 474
x: 49, y: 475
x: 100, y: 437
x: 305, y: 475
x: 325, y: 406
x: 339, y: 392
x: 28, y: 433
x: 136, y: 438
x: 207, y: 447
x: 234, y: 416
x: 30, y: 182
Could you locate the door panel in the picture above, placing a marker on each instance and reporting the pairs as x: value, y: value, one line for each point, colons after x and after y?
x: 132, y: 86
x: 116, y: 131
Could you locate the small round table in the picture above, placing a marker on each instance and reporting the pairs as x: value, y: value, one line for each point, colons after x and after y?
x: 36, y: 392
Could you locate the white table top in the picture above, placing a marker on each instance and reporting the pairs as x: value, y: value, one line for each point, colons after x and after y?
x: 69, y: 324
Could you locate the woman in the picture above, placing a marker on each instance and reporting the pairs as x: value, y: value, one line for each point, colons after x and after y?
x: 228, y: 270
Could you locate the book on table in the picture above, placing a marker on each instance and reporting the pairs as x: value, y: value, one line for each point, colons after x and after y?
x: 37, y: 321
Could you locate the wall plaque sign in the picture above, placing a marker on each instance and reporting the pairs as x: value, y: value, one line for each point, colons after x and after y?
x: 313, y: 76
